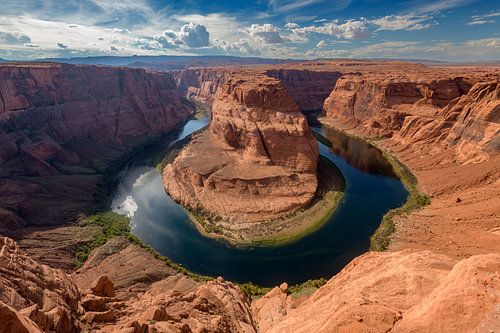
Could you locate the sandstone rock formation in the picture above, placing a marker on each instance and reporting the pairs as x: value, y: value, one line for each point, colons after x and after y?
x: 379, y: 104
x: 308, y: 88
x: 257, y: 161
x: 398, y: 292
x: 62, y: 125
x: 48, y: 297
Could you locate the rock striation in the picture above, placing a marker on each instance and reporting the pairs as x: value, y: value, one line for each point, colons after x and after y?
x: 256, y: 162
x: 455, y: 112
x: 308, y: 88
x: 63, y: 125
x: 380, y: 103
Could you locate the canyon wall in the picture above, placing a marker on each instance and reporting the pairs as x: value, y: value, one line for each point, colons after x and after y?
x: 258, y: 160
x: 36, y: 298
x: 201, y: 84
x: 61, y: 126
x: 461, y: 113
x: 379, y: 104
x: 308, y: 88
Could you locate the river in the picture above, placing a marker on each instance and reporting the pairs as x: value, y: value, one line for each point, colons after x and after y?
x: 371, y: 190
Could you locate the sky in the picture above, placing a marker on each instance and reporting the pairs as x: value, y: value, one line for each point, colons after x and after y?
x: 450, y: 30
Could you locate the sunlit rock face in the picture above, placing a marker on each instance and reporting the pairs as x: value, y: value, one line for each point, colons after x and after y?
x: 256, y: 162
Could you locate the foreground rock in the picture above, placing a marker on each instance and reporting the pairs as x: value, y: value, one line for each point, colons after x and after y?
x: 45, y: 296
x: 257, y: 161
x: 398, y: 292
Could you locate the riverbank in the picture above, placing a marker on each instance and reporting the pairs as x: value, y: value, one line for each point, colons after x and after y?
x: 461, y: 218
x: 416, y: 199
x: 283, y: 230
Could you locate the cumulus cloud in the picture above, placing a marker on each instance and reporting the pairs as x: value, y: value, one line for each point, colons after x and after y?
x: 265, y: 33
x: 62, y: 46
x: 13, y: 38
x: 190, y: 35
x: 402, y: 22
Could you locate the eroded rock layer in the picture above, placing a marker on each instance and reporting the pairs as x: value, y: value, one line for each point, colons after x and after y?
x: 257, y: 161
x: 454, y: 111
x: 63, y: 125
x: 397, y: 292
x: 308, y: 88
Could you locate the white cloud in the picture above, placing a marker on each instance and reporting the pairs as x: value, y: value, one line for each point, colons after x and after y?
x: 291, y: 25
x: 190, y: 35
x: 321, y: 44
x: 483, y: 19
x: 265, y: 33
x: 480, y: 22
x: 241, y: 47
x: 439, y: 5
x: 478, y: 49
x: 402, y: 22
x: 351, y: 29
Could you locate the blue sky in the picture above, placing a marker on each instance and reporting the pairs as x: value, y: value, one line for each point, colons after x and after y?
x: 426, y: 29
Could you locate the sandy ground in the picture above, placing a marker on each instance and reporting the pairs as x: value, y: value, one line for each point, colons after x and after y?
x: 463, y: 218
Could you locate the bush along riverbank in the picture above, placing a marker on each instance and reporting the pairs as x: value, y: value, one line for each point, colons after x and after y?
x: 380, y: 240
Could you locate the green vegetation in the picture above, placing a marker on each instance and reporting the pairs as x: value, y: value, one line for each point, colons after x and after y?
x: 107, y: 225
x: 309, y: 284
x: 380, y: 239
x: 253, y: 291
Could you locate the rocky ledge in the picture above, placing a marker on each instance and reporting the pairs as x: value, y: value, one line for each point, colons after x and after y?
x: 257, y: 161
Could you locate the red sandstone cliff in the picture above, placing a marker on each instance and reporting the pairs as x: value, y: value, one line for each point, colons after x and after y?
x: 308, y: 88
x: 60, y: 119
x: 258, y: 149
x: 201, y: 84
x: 378, y: 104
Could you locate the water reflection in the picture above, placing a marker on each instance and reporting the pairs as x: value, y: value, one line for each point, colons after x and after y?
x: 358, y: 153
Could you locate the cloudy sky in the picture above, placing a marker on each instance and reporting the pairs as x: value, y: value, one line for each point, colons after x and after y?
x: 424, y: 29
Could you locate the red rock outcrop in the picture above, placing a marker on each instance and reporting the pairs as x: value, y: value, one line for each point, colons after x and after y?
x: 48, y: 297
x: 259, y: 149
x: 398, y: 292
x: 476, y: 131
x: 58, y: 119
